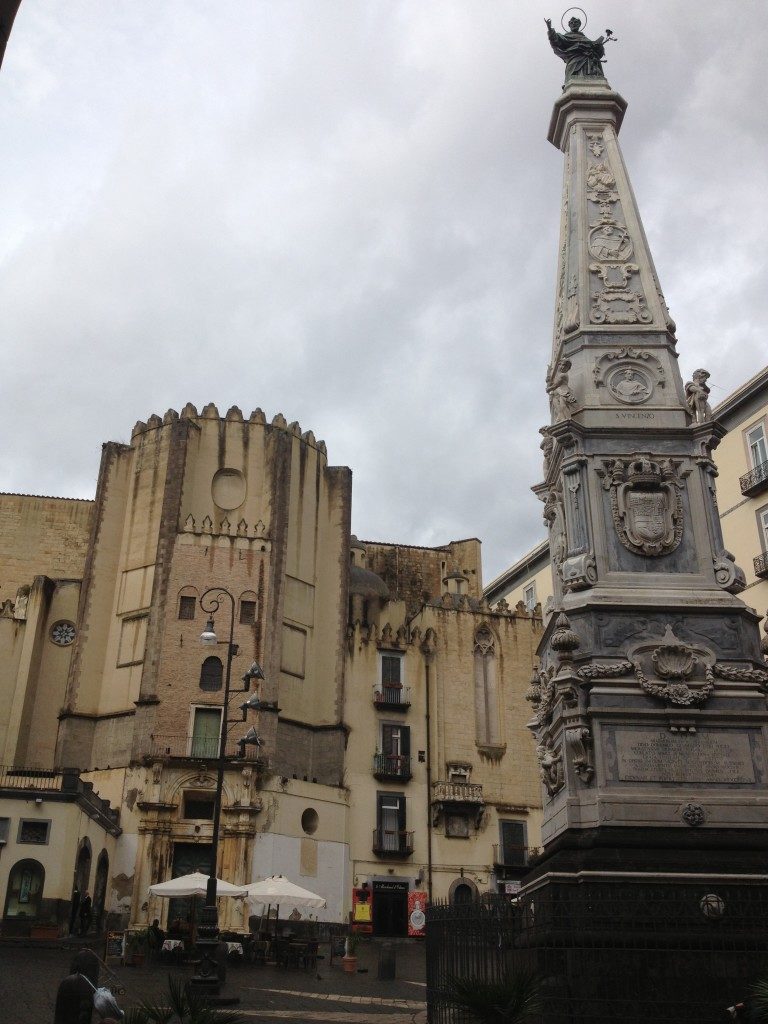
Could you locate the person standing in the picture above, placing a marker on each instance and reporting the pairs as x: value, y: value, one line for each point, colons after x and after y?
x: 85, y: 913
x: 73, y: 910
x: 74, y: 999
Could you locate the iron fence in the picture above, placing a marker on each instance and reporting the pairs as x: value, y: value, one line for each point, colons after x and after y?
x: 602, y: 952
x: 392, y: 697
x: 392, y: 766
x: 761, y: 565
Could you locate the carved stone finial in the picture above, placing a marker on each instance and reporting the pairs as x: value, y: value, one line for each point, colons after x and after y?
x: 257, y: 416
x: 235, y: 413
x: 583, y: 57
x: 764, y: 641
x: 189, y: 412
x: 697, y: 397
x: 564, y: 640
x: 210, y: 412
x: 171, y: 416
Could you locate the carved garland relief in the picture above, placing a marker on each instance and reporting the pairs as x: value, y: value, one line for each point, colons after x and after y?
x: 615, y: 300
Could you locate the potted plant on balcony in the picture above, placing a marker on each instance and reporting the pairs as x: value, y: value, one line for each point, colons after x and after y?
x: 349, y: 960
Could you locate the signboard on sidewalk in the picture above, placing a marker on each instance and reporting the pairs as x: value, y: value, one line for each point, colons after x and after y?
x: 417, y: 901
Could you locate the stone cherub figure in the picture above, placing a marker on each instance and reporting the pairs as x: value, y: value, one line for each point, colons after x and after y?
x: 583, y: 57
x: 697, y: 397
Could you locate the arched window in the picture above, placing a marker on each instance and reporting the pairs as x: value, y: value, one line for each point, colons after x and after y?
x: 211, y: 674
x: 462, y: 893
x: 487, y: 726
x: 24, y: 896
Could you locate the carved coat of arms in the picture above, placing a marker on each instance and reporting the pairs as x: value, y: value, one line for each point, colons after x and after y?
x: 646, y: 503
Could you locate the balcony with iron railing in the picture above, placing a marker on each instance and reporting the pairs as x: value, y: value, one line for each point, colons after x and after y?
x: 761, y: 566
x: 507, y: 856
x: 755, y: 481
x: 392, y: 843
x: 182, y: 746
x: 392, y: 766
x: 392, y: 698
x: 60, y: 785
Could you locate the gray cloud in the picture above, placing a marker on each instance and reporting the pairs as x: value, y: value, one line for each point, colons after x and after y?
x: 347, y: 210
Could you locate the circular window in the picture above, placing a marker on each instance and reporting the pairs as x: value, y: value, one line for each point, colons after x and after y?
x: 63, y: 633
x: 228, y: 489
x: 309, y: 821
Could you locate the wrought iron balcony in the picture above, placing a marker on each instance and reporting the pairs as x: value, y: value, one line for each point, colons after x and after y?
x: 182, y: 746
x: 507, y: 856
x: 392, y: 698
x: 392, y: 766
x: 755, y: 481
x: 388, y: 843
x: 761, y: 566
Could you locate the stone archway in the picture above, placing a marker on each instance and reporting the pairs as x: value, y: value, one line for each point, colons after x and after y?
x: 463, y: 890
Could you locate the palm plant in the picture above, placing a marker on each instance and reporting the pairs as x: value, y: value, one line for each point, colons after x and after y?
x: 758, y: 1002
x: 183, y: 1006
x: 512, y: 1000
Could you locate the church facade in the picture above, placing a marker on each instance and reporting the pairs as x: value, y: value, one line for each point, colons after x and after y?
x: 392, y: 760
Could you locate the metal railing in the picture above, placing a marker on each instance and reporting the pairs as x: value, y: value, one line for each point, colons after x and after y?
x: 457, y: 792
x: 392, y: 843
x: 755, y: 480
x: 206, y: 748
x: 392, y: 696
x: 391, y: 766
x: 30, y: 778
x: 507, y: 856
x: 761, y: 566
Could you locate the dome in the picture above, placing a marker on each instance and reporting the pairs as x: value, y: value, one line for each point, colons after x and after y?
x: 365, y: 583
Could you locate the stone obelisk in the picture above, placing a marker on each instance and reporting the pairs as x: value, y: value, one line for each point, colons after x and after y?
x: 650, y: 700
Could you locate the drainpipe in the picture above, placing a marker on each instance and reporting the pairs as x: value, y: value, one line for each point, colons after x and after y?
x: 427, y: 668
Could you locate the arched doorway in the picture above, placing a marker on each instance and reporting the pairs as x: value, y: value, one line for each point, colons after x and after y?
x: 462, y: 891
x: 24, y: 896
x: 100, y: 890
x: 83, y: 866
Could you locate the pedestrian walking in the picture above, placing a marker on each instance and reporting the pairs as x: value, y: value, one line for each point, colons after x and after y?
x: 74, y: 999
x: 85, y: 913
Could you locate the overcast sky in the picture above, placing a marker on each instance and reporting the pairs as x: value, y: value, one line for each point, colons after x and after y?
x: 347, y: 211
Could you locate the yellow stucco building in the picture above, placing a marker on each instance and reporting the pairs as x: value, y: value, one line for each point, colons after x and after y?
x: 392, y: 760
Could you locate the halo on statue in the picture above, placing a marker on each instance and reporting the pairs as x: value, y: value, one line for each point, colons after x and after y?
x: 571, y: 10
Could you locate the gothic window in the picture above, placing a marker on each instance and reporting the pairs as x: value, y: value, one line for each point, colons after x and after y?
x: 487, y: 726
x: 211, y: 674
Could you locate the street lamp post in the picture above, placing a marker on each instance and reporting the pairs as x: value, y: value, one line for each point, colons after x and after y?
x: 210, y: 971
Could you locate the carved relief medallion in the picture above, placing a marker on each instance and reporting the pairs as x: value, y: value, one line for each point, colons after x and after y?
x: 630, y: 385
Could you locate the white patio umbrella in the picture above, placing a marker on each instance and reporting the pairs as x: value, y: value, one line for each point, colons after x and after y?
x: 278, y: 889
x: 195, y: 884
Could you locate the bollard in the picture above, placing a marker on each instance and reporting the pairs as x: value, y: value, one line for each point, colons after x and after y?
x: 387, y: 961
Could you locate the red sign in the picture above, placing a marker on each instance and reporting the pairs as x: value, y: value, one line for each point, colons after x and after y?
x: 417, y: 902
x: 362, y: 911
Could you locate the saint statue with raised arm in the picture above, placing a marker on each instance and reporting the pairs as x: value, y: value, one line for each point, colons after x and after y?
x: 582, y: 56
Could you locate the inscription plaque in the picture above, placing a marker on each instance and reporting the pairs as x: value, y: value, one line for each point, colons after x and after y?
x: 655, y: 755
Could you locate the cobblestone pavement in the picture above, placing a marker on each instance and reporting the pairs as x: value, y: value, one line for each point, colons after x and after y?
x: 30, y: 976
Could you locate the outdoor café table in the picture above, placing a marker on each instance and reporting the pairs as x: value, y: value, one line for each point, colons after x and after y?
x: 172, y: 949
